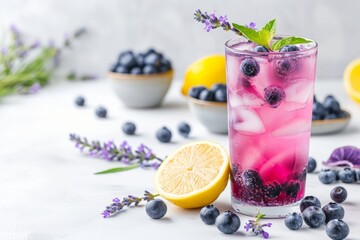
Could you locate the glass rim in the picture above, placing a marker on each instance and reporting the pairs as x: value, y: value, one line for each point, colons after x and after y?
x: 230, y: 48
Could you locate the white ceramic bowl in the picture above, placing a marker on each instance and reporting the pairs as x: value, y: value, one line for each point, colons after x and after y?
x: 330, y: 125
x: 213, y: 115
x: 141, y: 91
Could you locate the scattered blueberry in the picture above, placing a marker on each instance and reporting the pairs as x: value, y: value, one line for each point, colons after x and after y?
x: 314, y: 217
x: 309, y: 201
x: 208, y: 214
x: 346, y: 175
x: 274, y: 95
x: 195, y: 91
x: 249, y: 67
x: 327, y: 176
x: 311, y: 165
x: 293, y: 221
x: 207, y: 95
x: 156, y: 208
x: 289, y: 48
x: 80, y: 101
x: 285, y: 67
x: 338, y: 194
x: 184, y: 129
x: 163, y: 135
x: 228, y: 222
x: 260, y: 49
x: 149, y: 69
x: 101, y: 112
x: 333, y: 211
x: 337, y: 229
x: 129, y: 128
x: 221, y: 95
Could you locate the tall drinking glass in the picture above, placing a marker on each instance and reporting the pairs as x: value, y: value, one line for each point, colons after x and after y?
x: 270, y: 97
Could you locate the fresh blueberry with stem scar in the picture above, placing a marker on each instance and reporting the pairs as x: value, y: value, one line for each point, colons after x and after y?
x: 346, y: 175
x: 164, y: 135
x: 327, y: 176
x: 309, y: 201
x: 260, y: 49
x: 289, y: 48
x: 293, y: 221
x: 129, y: 128
x: 101, y: 112
x: 184, y: 129
x: 333, y: 211
x: 249, y: 67
x: 337, y: 229
x: 338, y: 194
x: 274, y: 95
x: 156, y: 208
x: 311, y: 165
x: 208, y: 214
x: 80, y: 101
x: 228, y: 222
x: 314, y: 217
x: 195, y: 91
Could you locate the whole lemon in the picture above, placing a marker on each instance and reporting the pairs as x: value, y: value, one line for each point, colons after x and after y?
x: 205, y: 71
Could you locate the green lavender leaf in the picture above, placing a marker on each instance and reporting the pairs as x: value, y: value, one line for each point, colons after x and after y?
x: 288, y: 41
x: 119, y: 169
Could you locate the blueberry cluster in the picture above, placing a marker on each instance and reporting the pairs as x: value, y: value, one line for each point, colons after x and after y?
x: 148, y: 62
x: 329, y: 109
x: 314, y: 216
x: 227, y: 222
x: 217, y: 93
x: 345, y: 175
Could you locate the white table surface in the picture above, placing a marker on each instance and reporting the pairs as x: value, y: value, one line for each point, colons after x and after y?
x: 48, y: 190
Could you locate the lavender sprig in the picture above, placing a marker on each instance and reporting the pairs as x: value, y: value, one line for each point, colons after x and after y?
x: 256, y: 227
x: 141, y: 157
x: 117, y: 205
x: 211, y: 21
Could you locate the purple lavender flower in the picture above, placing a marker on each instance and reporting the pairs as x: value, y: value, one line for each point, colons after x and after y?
x: 256, y: 227
x: 251, y: 25
x: 211, y: 21
x: 116, y: 206
x: 124, y: 153
x: 35, y: 44
x: 4, y: 51
x: 23, y: 54
x: 35, y: 88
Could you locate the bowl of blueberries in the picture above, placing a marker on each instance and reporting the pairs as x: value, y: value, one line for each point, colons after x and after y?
x: 209, y: 106
x: 328, y: 117
x: 141, y: 80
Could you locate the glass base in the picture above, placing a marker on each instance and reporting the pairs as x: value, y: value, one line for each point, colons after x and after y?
x: 270, y: 212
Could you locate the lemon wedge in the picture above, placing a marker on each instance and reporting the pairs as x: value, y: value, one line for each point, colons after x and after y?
x: 352, y: 80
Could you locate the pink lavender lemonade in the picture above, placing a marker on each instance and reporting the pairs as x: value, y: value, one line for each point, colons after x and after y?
x: 270, y: 97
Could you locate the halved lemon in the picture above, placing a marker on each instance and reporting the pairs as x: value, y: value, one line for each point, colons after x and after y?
x: 352, y: 80
x: 194, y: 175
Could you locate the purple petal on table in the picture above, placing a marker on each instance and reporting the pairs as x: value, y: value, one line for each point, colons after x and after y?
x: 344, y: 156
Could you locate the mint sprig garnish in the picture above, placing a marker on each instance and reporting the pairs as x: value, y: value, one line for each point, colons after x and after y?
x: 262, y: 37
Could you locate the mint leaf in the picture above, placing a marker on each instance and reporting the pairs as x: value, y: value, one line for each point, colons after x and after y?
x: 249, y: 33
x: 271, y: 28
x: 119, y: 169
x: 288, y: 41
